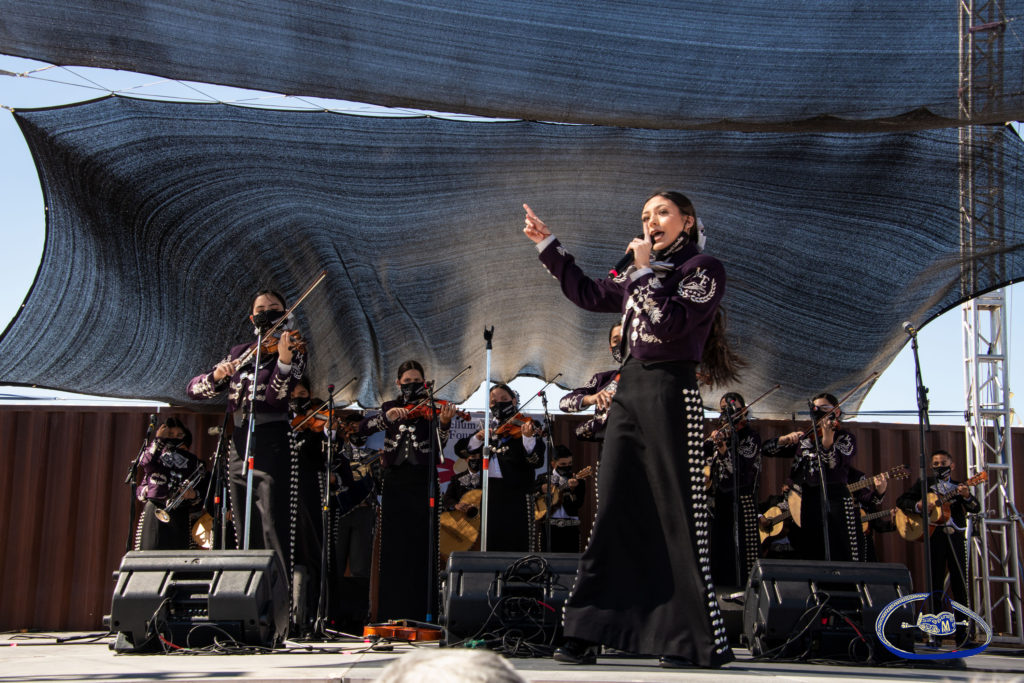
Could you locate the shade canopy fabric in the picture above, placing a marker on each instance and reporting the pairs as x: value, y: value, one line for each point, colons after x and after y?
x: 810, y: 65
x: 164, y: 218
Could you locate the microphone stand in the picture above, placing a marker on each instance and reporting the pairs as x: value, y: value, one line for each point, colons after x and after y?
x: 825, y: 503
x: 549, y: 424
x: 486, y: 456
x: 320, y: 623
x: 733, y: 453
x: 129, y: 479
x: 247, y: 460
x: 433, y: 521
x: 217, y: 489
x: 923, y: 425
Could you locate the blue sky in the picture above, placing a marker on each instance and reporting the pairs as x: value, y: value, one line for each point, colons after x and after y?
x: 22, y: 226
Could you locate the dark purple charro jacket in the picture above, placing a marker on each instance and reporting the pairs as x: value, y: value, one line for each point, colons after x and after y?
x: 667, y: 310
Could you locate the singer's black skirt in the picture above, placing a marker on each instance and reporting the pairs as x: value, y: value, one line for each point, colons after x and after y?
x: 644, y: 583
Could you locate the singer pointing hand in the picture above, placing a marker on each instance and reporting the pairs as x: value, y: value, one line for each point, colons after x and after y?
x: 648, y: 590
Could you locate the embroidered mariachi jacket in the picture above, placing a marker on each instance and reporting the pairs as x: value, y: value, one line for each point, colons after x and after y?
x: 749, y: 452
x: 666, y: 314
x: 273, y: 385
x: 163, y: 471
x: 592, y: 429
x: 460, y: 486
x: 404, y: 440
x: 804, y: 471
x: 517, y: 466
x: 570, y: 499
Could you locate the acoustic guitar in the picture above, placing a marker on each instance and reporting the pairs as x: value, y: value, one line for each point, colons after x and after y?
x: 540, y: 499
x: 461, y: 530
x: 897, y: 472
x: 776, y: 517
x: 910, y: 526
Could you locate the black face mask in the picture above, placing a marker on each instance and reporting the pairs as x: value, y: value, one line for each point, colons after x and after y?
x: 300, y: 405
x: 942, y: 472
x: 169, y: 442
x: 264, y: 320
x: 617, y: 353
x: 503, y: 410
x: 474, y: 465
x: 413, y: 391
x: 565, y: 470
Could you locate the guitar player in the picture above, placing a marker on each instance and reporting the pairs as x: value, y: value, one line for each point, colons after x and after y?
x: 948, y: 541
x: 565, y: 521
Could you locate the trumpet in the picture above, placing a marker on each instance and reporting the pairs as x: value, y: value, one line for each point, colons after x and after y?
x: 164, y: 513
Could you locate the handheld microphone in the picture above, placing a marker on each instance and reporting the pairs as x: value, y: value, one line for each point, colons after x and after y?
x: 624, y: 262
x: 909, y: 329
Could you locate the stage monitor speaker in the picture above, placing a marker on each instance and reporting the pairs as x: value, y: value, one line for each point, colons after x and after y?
x: 192, y: 597
x: 824, y: 610
x: 487, y: 593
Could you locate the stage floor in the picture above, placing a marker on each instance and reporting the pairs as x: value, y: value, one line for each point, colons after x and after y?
x: 36, y: 658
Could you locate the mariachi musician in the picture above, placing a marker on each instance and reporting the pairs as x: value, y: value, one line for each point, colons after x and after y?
x: 516, y: 452
x: 282, y: 362
x: 948, y: 542
x: 171, y: 477
x: 308, y: 445
x: 733, y: 486
x: 823, y: 452
x: 407, y: 528
x: 597, y: 392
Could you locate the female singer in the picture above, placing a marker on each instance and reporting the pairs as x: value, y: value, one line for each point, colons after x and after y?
x: 408, y: 531
x: 275, y: 378
x: 644, y: 583
x: 832, y: 448
x: 166, y: 466
x: 511, y: 473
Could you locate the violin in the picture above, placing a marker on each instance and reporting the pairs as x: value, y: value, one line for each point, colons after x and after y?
x: 316, y: 422
x: 513, y: 427
x: 404, y: 630
x: 271, y: 342
x: 424, y: 410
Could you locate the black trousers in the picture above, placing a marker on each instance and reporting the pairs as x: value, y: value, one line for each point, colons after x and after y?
x: 408, y: 545
x: 152, y: 534
x: 724, y: 550
x: 270, y: 524
x: 644, y: 583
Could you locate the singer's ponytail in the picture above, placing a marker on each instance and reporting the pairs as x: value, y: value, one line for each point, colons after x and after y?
x: 720, y: 364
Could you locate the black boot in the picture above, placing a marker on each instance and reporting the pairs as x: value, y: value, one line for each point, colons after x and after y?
x: 576, y: 651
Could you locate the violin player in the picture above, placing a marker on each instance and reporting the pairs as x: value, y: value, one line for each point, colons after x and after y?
x: 824, y: 451
x: 308, y: 448
x: 407, y: 550
x: 733, y: 483
x: 597, y: 392
x: 282, y: 363
x: 516, y: 452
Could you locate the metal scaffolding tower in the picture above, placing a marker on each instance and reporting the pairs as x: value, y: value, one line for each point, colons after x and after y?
x: 995, y: 553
